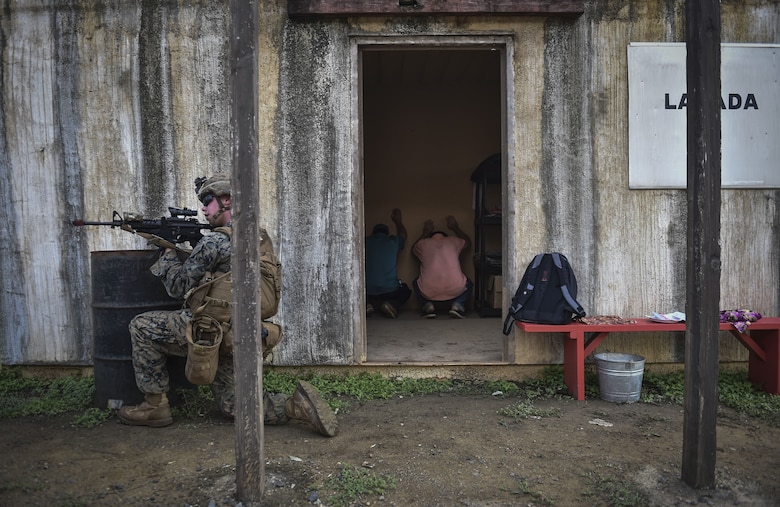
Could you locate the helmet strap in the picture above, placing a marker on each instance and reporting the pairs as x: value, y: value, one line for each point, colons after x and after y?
x: 222, y: 207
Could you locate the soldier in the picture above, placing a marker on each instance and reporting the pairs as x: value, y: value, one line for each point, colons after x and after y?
x: 157, y: 334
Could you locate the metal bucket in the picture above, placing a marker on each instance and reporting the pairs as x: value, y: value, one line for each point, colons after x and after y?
x: 123, y: 287
x: 620, y: 376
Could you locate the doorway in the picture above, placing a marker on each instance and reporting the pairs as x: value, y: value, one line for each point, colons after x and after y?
x: 429, y: 115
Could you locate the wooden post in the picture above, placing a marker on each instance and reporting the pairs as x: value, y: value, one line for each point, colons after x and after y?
x: 247, y: 356
x: 702, y: 27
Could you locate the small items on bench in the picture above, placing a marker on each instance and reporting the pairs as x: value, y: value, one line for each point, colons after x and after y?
x: 740, y: 319
x: 667, y: 318
x: 605, y: 319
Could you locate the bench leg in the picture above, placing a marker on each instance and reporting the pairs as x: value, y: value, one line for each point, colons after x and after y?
x: 574, y: 364
x: 766, y: 374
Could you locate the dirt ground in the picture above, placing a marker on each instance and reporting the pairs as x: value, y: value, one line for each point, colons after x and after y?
x: 441, y: 450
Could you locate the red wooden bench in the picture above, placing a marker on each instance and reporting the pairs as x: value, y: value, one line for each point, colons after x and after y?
x: 762, y: 339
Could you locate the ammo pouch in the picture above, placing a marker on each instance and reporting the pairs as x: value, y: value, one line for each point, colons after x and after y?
x: 213, y: 299
x: 204, y: 337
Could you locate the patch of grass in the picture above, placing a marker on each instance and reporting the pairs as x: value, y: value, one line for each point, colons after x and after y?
x: 24, y: 487
x: 353, y: 483
x: 591, y: 384
x: 734, y: 391
x: 374, y: 386
x: 663, y: 387
x: 481, y: 387
x: 195, y: 403
x: 362, y: 386
x: 92, y: 417
x: 524, y: 490
x: 548, y: 385
x: 29, y: 396
x: 526, y: 409
x: 71, y: 501
x: 367, y: 386
x: 275, y: 382
x: 371, y: 386
x: 614, y: 491
x: 422, y: 386
x: 737, y: 392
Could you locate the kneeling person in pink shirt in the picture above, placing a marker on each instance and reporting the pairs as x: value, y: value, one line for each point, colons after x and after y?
x: 441, y: 277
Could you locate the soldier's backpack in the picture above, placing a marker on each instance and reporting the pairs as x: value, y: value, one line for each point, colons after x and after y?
x: 220, y: 283
x: 547, y: 293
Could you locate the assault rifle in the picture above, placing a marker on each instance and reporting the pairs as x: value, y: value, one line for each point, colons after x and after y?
x: 182, y: 226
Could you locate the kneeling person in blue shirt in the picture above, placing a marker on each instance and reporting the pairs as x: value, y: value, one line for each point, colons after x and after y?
x: 384, y: 290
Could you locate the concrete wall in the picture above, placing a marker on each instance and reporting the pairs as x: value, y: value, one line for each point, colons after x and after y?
x: 121, y: 105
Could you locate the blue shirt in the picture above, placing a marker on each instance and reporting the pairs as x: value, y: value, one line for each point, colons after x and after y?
x: 381, y: 263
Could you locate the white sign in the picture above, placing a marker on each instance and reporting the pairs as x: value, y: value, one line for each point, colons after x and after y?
x: 750, y: 115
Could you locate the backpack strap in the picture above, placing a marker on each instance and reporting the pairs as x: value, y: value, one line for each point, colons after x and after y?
x: 575, y: 307
x: 508, y: 322
x: 526, y: 287
x: 522, y: 295
x: 226, y: 230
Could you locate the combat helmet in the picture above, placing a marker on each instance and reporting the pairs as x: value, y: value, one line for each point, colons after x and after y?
x: 217, y: 185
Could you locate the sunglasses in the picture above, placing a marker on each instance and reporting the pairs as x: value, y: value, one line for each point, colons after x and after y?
x: 207, y: 199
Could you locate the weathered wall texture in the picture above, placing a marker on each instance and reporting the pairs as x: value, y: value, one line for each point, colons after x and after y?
x: 103, y: 106
x: 640, y: 242
x: 568, y: 165
x: 121, y: 105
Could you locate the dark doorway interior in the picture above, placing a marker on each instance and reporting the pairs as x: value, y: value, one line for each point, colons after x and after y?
x: 429, y: 117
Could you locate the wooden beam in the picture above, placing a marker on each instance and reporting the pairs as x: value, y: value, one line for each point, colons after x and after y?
x: 297, y: 8
x: 247, y: 356
x: 702, y: 27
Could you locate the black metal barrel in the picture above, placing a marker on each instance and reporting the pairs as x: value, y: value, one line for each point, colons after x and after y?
x: 123, y: 287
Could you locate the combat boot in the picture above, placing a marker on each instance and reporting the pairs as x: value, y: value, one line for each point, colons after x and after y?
x: 154, y: 411
x: 306, y: 405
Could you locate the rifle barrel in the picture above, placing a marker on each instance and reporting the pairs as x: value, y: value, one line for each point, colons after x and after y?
x: 79, y: 222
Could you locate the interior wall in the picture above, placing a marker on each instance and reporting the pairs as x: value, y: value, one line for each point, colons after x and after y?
x: 425, y: 131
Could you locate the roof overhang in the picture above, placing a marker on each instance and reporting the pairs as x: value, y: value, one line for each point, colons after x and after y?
x: 300, y: 8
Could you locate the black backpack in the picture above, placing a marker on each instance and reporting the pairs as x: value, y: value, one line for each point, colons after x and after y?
x: 547, y: 293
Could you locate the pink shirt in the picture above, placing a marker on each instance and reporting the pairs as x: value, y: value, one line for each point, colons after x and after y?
x: 441, y: 277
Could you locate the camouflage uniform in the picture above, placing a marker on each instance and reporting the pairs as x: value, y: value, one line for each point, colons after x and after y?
x: 158, y: 334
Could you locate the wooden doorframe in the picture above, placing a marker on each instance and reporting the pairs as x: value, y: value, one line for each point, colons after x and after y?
x: 501, y: 42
